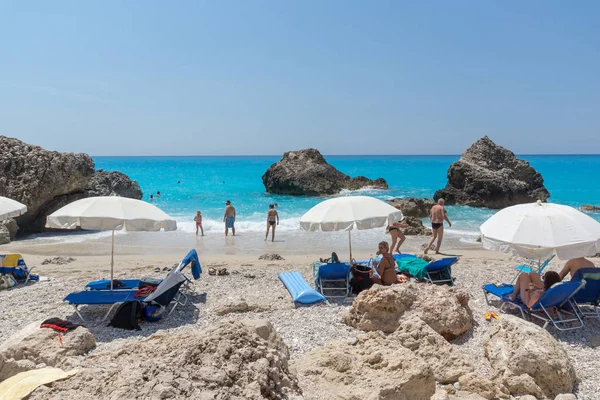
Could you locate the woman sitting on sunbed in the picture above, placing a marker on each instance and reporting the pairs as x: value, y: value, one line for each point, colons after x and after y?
x: 531, y: 288
x: 386, y: 267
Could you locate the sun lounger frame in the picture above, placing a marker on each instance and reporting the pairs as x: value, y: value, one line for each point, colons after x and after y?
x: 320, y: 282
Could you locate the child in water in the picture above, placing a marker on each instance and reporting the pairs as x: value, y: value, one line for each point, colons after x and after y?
x: 198, y: 219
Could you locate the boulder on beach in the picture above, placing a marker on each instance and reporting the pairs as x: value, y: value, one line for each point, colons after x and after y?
x: 445, y: 362
x: 372, y: 368
x: 382, y: 308
x: 46, y: 180
x: 33, y: 346
x: 232, y: 360
x: 527, y: 359
x: 413, y: 206
x: 306, y: 172
x: 488, y: 175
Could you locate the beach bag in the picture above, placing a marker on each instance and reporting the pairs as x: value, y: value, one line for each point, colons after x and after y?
x: 7, y: 281
x: 361, y: 278
x: 128, y: 316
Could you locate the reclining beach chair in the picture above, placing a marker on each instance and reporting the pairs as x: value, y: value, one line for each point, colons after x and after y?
x: 167, y: 291
x: 15, y: 265
x: 559, y: 297
x: 438, y: 271
x: 588, y: 298
x: 332, y: 279
x: 534, y: 265
x: 128, y: 284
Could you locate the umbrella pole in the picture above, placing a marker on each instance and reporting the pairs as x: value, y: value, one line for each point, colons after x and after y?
x: 112, y: 259
x: 350, y: 244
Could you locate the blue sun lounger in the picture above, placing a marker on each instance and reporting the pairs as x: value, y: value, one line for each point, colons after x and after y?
x: 299, y: 289
x: 129, y: 284
x: 332, y: 279
x: 588, y: 298
x: 559, y: 297
x: 438, y: 271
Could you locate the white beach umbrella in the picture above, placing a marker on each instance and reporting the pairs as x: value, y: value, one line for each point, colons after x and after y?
x: 347, y: 212
x: 537, y: 230
x: 109, y: 214
x: 10, y: 208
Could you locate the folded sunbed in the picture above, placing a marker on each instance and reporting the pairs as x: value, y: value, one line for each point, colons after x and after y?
x: 558, y: 299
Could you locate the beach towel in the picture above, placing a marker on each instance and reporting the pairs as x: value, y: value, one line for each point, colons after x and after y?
x: 22, y: 384
x: 412, y: 266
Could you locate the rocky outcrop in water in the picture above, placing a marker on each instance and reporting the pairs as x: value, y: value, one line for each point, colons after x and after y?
x: 415, y: 227
x: 306, y: 172
x: 413, y: 206
x: 589, y: 207
x: 46, y: 180
x: 488, y: 175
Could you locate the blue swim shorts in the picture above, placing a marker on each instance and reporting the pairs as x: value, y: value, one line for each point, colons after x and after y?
x: 229, y: 222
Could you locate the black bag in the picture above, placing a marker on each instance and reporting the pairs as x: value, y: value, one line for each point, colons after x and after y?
x: 128, y: 316
x: 361, y: 279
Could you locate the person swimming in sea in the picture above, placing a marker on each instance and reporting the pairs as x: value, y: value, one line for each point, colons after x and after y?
x: 151, y: 197
x: 272, y: 221
x: 198, y: 220
x: 157, y: 194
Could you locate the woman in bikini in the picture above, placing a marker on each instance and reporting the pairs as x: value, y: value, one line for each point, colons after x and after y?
x: 531, y: 288
x: 272, y: 220
x: 386, y: 268
x: 198, y: 219
x: 397, y: 234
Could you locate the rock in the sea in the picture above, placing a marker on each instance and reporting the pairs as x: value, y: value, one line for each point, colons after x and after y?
x: 526, y: 357
x: 444, y: 361
x: 589, y: 207
x: 415, y: 227
x: 46, y: 180
x: 104, y: 183
x: 444, y: 309
x: 488, y: 175
x: 413, y: 206
x: 375, y: 368
x: 34, y: 345
x: 306, y: 172
x: 232, y: 360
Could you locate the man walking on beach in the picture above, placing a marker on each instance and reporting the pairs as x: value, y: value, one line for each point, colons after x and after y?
x: 437, y: 216
x: 229, y: 218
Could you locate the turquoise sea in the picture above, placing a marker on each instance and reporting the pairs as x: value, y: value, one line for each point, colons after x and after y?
x: 207, y: 182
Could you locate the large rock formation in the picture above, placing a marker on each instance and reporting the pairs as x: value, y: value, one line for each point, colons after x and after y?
x: 444, y: 309
x: 413, y: 206
x: 415, y: 227
x: 488, y: 175
x: 589, y: 207
x: 527, y: 359
x: 306, y: 172
x: 33, y: 346
x: 374, y: 368
x: 46, y: 180
x: 232, y: 360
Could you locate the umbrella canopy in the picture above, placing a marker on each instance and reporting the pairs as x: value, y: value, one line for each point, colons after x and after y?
x: 345, y: 213
x: 10, y: 208
x: 111, y: 213
x: 538, y: 230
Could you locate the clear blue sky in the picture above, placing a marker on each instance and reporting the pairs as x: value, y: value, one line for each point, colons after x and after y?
x: 263, y: 77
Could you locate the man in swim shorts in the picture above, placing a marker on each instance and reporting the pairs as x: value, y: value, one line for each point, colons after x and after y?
x: 229, y: 218
x: 437, y: 216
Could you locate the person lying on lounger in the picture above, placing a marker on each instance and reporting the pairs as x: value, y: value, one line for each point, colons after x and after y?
x: 386, y: 267
x: 531, y: 288
x: 575, y: 264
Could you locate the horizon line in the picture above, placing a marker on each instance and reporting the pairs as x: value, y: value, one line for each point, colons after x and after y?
x: 339, y: 155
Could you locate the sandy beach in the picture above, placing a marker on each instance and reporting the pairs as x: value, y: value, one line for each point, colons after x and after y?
x: 301, y: 328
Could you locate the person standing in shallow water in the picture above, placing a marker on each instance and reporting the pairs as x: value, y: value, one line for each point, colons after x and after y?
x: 229, y: 218
x: 198, y: 220
x: 272, y: 218
x: 437, y: 216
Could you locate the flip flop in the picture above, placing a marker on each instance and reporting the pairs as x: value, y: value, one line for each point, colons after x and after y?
x: 222, y: 272
x: 488, y: 316
x: 212, y: 271
x: 494, y: 315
